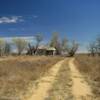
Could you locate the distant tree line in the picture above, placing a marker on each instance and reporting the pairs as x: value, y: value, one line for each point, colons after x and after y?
x: 94, y: 47
x: 61, y: 45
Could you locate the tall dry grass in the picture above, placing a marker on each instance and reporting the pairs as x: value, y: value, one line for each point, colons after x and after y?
x: 17, y: 73
x: 90, y: 67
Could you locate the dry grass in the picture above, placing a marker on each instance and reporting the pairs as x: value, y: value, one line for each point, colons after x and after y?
x: 90, y: 67
x: 62, y: 87
x: 18, y: 73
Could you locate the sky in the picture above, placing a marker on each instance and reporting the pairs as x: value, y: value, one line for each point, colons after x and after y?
x: 75, y: 19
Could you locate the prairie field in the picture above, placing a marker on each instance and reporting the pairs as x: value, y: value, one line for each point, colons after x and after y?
x: 17, y: 74
x: 49, y: 78
x: 90, y: 67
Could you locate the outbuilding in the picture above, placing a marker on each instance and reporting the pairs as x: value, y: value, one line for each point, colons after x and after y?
x: 50, y: 51
x: 46, y: 50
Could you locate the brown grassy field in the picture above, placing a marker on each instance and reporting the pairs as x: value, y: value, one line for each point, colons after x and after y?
x: 90, y: 67
x: 19, y: 73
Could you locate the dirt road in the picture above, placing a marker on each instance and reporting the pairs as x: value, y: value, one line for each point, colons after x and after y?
x: 45, y: 83
x: 80, y: 89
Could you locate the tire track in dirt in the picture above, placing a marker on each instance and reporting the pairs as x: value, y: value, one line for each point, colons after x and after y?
x: 45, y: 83
x: 80, y: 89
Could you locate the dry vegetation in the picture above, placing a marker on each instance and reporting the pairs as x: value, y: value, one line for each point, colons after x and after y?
x: 90, y: 67
x: 18, y: 73
x: 62, y: 87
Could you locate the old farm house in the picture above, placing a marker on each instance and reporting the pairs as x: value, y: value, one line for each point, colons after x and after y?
x: 45, y: 50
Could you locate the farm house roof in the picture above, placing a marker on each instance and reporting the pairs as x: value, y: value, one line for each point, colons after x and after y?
x: 46, y: 48
x: 51, y: 48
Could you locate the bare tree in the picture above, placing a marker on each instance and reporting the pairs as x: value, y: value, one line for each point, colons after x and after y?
x: 92, y: 48
x: 98, y: 45
x: 2, y: 47
x: 20, y: 44
x: 7, y: 49
x: 55, y: 42
x: 72, y: 48
x: 64, y: 44
x: 39, y: 39
x: 32, y: 49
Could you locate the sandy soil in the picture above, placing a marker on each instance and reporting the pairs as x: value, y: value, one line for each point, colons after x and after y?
x: 80, y: 89
x: 45, y: 83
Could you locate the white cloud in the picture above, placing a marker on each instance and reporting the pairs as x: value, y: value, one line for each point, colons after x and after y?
x: 27, y: 38
x: 12, y: 19
x: 35, y: 16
